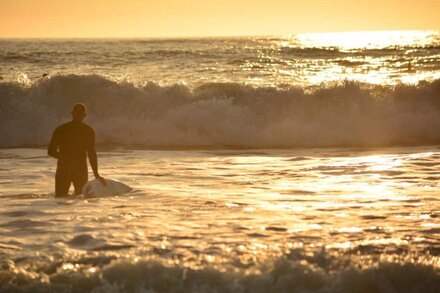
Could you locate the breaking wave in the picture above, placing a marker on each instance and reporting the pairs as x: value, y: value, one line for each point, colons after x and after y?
x: 286, y: 274
x: 220, y: 115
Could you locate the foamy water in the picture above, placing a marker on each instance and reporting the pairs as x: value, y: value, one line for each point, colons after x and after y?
x: 313, y: 220
x: 227, y: 115
x: 313, y: 90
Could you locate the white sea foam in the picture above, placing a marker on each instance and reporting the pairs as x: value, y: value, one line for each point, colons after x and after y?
x: 318, y: 273
x: 303, y: 220
x: 223, y: 114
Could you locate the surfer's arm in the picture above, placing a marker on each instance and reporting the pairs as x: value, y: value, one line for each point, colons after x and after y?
x: 52, y: 150
x: 93, y: 158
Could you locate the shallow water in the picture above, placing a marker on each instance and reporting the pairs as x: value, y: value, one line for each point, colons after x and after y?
x: 300, y: 220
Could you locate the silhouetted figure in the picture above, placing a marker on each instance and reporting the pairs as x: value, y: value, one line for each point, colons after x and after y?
x: 70, y: 144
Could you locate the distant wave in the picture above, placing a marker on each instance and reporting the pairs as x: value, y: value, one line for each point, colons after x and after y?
x: 223, y: 115
x: 90, y: 56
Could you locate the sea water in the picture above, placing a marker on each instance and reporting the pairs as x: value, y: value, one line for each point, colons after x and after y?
x: 278, y: 164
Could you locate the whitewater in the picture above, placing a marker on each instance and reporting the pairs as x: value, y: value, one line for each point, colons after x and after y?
x: 224, y: 115
x: 305, y: 163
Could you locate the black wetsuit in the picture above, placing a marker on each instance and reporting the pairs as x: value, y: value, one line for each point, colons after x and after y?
x: 69, y: 144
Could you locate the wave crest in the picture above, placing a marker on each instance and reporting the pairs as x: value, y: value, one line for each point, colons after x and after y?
x: 223, y: 114
x: 107, y: 274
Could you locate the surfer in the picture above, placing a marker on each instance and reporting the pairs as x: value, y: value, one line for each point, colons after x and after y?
x: 70, y: 144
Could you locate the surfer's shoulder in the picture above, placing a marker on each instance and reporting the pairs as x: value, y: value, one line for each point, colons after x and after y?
x: 63, y: 126
x: 87, y: 130
x: 88, y: 127
x: 74, y: 125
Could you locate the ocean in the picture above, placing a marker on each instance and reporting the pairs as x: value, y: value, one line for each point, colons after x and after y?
x: 303, y: 163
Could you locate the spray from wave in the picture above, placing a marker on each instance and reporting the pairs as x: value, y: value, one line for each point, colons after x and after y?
x: 318, y: 273
x: 222, y: 115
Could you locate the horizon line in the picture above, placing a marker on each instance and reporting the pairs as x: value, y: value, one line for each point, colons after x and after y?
x: 218, y: 36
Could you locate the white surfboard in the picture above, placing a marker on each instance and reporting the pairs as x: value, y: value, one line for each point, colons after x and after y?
x: 95, y: 188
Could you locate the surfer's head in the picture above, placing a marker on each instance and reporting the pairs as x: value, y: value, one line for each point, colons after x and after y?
x: 79, y: 112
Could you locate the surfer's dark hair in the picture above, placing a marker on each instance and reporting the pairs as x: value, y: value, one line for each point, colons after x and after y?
x: 79, y: 108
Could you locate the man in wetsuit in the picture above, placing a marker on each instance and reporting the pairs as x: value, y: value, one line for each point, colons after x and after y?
x: 69, y: 145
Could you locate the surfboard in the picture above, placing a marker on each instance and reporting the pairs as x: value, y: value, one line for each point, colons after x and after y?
x: 95, y: 188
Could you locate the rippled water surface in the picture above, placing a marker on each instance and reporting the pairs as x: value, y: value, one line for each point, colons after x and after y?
x: 240, y: 194
x: 306, y: 220
x: 304, y: 59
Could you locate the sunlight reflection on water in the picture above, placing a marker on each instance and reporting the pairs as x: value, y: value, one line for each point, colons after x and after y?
x: 229, y: 212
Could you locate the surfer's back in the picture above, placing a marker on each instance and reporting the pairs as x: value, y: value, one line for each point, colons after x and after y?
x: 73, y: 139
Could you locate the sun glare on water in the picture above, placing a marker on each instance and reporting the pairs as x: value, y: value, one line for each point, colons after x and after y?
x: 377, y: 57
x: 346, y: 41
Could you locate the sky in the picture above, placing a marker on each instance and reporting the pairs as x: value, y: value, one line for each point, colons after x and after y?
x: 198, y: 18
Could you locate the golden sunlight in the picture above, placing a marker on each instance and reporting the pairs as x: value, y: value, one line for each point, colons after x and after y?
x: 368, y: 40
x: 266, y: 146
x: 182, y: 18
